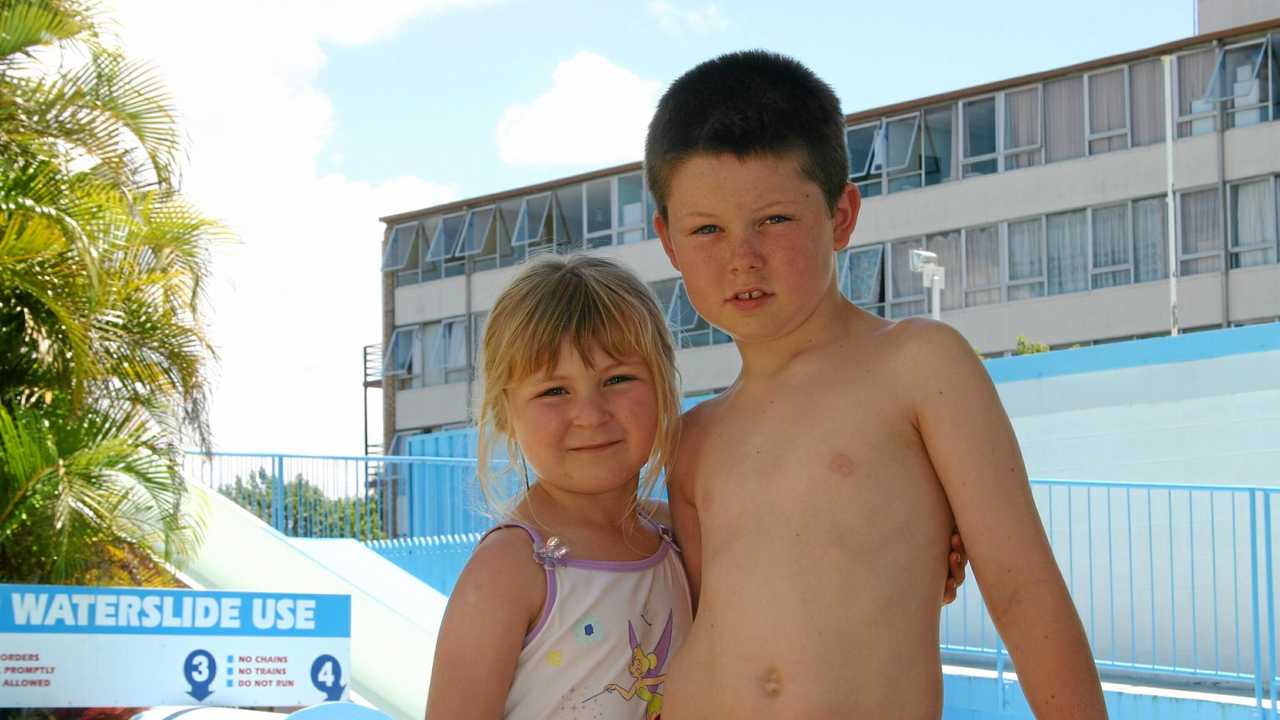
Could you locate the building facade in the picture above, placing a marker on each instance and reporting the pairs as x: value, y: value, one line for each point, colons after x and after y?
x: 1043, y: 196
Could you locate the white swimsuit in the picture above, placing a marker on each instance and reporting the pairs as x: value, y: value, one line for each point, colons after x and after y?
x: 604, y: 626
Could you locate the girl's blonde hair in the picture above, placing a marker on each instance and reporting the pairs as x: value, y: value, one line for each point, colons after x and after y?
x: 593, y: 302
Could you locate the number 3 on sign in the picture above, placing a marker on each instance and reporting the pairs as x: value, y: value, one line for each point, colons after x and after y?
x: 326, y: 676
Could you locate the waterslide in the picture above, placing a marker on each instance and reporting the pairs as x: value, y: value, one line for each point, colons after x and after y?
x: 394, y: 616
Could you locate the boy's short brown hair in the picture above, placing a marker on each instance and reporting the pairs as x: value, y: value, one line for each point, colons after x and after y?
x: 748, y: 103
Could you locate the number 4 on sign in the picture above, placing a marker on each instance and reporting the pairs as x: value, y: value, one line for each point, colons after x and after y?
x: 326, y: 676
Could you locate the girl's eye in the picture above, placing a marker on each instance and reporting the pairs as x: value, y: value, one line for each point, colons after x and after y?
x: 616, y: 379
x: 553, y: 392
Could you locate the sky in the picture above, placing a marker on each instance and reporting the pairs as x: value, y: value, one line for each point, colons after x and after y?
x: 307, y: 120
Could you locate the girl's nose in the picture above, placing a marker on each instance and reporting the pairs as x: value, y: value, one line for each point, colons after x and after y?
x: 590, y: 409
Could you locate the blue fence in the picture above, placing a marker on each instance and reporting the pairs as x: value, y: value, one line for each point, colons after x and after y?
x: 1173, y: 582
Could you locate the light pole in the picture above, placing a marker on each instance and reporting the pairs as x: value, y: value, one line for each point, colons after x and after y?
x: 934, y: 276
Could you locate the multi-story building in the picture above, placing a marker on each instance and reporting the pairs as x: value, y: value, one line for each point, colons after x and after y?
x: 1045, y: 197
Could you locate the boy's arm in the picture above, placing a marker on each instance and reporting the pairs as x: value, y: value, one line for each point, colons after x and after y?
x: 498, y: 596
x: 973, y: 450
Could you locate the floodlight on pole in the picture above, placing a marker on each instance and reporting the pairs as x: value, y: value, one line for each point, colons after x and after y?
x: 934, y: 277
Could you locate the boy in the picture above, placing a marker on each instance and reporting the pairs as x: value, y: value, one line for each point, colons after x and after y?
x: 808, y: 496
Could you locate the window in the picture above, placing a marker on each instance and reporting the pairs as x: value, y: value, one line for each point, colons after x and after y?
x: 1195, y: 115
x: 982, y: 265
x: 1146, y: 100
x: 569, y: 218
x: 979, y: 118
x: 1026, y: 259
x: 862, y: 143
x: 1108, y: 101
x: 401, y: 255
x: 630, y: 220
x: 404, y: 353
x: 1067, y: 245
x: 1253, y: 223
x: 861, y: 275
x: 507, y: 252
x: 901, y: 154
x: 446, y: 346
x: 947, y: 246
x: 1201, y: 250
x: 599, y: 198
x: 479, y: 233
x: 1240, y: 81
x: 1150, y: 239
x: 1022, y: 128
x: 939, y: 149
x: 399, y: 246
x: 906, y: 288
x: 478, y: 322
x: 438, y: 261
x: 687, y: 327
x: 535, y: 231
x: 650, y: 209
x: 1064, y: 119
x: 1112, y: 261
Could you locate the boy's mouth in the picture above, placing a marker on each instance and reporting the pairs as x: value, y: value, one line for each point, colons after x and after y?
x: 748, y: 294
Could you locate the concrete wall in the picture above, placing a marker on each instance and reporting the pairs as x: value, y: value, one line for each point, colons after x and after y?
x: 1213, y: 419
x: 432, y: 406
x: 1215, y: 15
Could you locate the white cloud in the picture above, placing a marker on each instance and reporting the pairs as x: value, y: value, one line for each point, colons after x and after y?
x: 679, y: 21
x: 295, y: 299
x: 595, y: 113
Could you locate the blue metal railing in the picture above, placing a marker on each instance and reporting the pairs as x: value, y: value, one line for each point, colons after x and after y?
x: 1172, y: 582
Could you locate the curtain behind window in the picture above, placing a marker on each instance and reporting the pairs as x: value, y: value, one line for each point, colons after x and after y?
x: 982, y: 265
x: 1026, y: 260
x: 947, y: 247
x: 1150, y: 240
x: 1068, y: 246
x: 1146, y: 94
x: 1253, y: 223
x: 1111, y: 245
x: 1107, y: 111
x: 1064, y: 119
x: 1199, y: 219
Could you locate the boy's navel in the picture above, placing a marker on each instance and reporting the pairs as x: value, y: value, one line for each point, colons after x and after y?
x: 771, y: 682
x: 841, y: 464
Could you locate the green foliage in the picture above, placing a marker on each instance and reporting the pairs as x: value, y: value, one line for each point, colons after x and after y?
x: 103, y: 354
x: 307, y: 511
x: 1028, y: 347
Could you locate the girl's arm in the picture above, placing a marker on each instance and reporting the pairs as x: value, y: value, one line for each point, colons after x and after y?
x: 497, y: 600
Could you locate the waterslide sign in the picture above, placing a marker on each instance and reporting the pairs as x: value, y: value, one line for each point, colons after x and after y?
x: 66, y: 646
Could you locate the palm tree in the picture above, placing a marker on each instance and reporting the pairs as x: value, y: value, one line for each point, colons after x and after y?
x: 103, y: 354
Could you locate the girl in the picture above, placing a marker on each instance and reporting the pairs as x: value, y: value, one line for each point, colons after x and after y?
x: 573, y: 603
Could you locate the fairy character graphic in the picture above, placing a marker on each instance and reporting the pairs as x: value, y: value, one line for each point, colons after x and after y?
x: 646, y: 670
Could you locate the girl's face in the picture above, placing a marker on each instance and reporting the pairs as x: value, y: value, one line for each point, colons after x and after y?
x: 585, y: 429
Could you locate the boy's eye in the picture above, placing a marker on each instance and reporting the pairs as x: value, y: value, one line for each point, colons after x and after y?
x: 777, y: 219
x: 706, y: 230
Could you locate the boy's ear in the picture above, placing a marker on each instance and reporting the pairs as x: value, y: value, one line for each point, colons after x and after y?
x: 664, y: 235
x: 845, y: 217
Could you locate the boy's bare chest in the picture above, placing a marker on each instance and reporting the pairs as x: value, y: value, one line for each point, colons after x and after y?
x: 832, y: 458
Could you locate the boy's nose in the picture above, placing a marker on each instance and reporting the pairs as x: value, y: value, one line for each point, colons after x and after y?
x: 745, y: 252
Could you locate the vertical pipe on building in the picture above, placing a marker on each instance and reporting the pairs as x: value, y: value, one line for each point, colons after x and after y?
x: 1171, y: 212
x: 1221, y: 127
x: 470, y: 330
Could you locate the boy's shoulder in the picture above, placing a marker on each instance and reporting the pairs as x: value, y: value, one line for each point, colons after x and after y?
x: 910, y: 344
